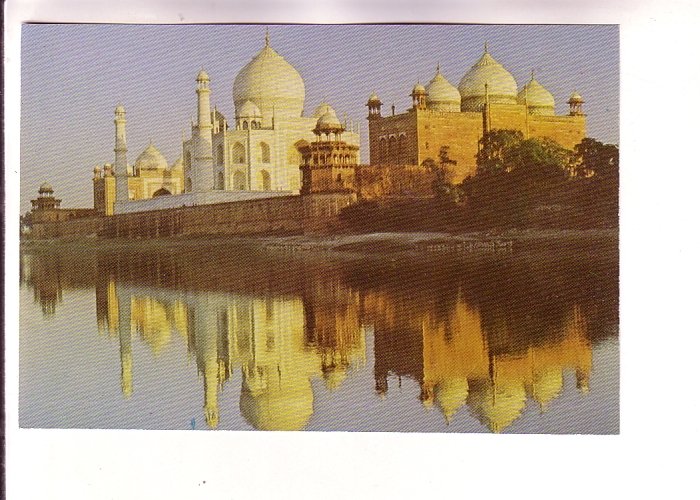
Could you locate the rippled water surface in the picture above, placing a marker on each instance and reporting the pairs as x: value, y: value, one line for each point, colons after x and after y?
x: 231, y: 339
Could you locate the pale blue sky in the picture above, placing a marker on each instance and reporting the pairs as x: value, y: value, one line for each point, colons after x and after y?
x: 74, y: 75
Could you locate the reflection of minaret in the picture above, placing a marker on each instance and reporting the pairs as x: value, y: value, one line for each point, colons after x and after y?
x: 205, y: 328
x: 122, y: 308
x: 107, y: 305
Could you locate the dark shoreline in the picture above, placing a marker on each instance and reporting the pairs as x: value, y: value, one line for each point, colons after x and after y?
x: 386, y: 242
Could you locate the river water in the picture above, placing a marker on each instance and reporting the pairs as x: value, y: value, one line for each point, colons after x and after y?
x: 224, y: 338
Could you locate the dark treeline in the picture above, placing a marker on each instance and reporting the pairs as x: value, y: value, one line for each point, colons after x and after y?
x: 519, y: 183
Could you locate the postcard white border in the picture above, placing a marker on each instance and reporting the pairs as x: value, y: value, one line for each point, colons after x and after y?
x: 659, y: 273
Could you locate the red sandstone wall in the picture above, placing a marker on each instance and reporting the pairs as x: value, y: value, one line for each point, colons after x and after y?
x: 285, y: 215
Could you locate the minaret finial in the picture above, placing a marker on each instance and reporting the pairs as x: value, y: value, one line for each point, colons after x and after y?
x: 532, y: 74
x: 438, y: 67
x: 267, y: 37
x: 486, y: 47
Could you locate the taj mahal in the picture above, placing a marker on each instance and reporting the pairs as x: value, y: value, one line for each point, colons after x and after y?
x: 257, y: 155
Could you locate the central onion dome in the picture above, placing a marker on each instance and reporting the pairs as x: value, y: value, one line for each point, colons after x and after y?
x: 442, y: 95
x: 539, y: 100
x: 502, y: 88
x: 150, y: 159
x: 272, y: 84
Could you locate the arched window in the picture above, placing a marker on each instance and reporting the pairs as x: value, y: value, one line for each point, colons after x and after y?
x: 238, y: 183
x: 392, y: 157
x: 383, y: 151
x: 161, y: 192
x: 220, y: 179
x: 238, y: 153
x: 266, y: 180
x: 220, y: 154
x: 245, y: 125
x: 264, y: 152
x: 402, y: 150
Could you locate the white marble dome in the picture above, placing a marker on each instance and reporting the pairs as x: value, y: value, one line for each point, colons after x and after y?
x: 321, y: 110
x: 272, y: 84
x: 539, y: 100
x: 150, y: 159
x: 502, y: 88
x: 328, y: 122
x: 249, y: 110
x: 442, y: 95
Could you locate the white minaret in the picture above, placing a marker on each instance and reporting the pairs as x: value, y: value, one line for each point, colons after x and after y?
x: 120, y: 163
x: 203, y: 161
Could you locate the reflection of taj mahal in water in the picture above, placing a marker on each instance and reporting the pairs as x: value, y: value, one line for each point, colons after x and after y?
x: 460, y: 355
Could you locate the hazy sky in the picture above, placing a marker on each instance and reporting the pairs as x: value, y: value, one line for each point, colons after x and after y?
x: 73, y: 76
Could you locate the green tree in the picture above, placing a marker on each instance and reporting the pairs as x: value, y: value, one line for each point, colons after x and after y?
x: 492, y: 146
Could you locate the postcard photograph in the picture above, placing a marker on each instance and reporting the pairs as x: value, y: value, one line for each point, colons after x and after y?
x: 377, y: 228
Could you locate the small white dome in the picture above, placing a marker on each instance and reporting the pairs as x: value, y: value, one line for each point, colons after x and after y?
x: 418, y: 89
x: 329, y: 122
x: 442, y: 95
x: 322, y: 109
x: 249, y: 110
x: 501, y: 84
x: 539, y: 99
x: 46, y: 188
x: 150, y: 159
x: 575, y: 97
x: 202, y: 76
x: 120, y: 109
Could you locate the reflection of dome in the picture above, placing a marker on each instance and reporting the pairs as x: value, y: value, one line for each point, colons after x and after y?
x: 249, y: 110
x: 501, y: 84
x: 150, y: 159
x: 322, y: 109
x: 539, y: 100
x: 499, y: 406
x: 286, y: 408
x: 451, y: 394
x: 271, y: 83
x: 546, y: 386
x: 335, y: 377
x: 442, y: 95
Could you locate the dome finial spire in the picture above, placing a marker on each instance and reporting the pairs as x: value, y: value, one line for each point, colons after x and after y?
x: 267, y: 37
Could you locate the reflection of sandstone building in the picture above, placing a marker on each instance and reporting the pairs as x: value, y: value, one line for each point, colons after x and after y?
x: 443, y: 115
x: 448, y: 354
